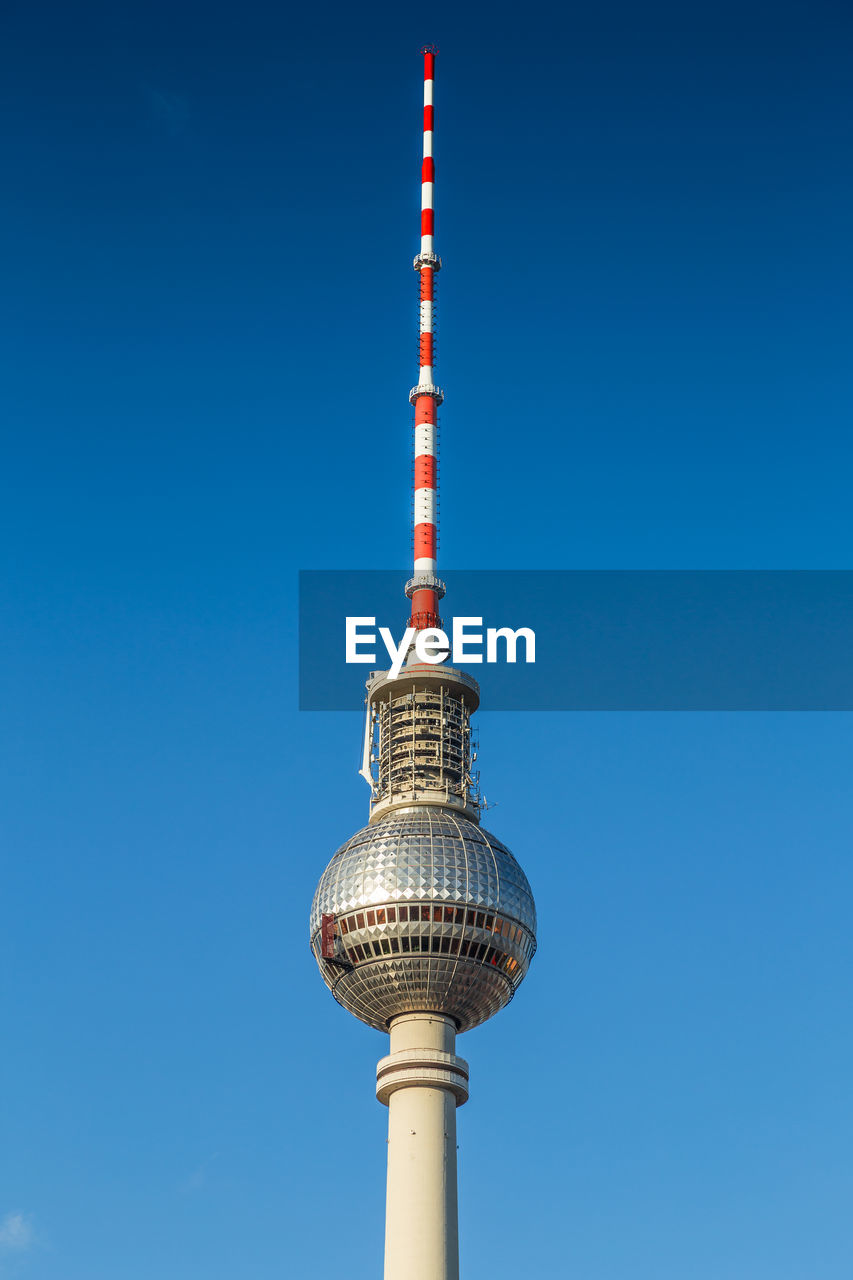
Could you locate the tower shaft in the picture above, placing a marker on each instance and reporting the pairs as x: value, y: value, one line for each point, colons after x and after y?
x: 422, y: 1082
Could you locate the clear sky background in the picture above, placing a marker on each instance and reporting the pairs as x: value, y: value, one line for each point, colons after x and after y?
x: 208, y: 335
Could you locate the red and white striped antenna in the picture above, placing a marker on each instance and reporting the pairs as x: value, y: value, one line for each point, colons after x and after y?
x: 425, y: 589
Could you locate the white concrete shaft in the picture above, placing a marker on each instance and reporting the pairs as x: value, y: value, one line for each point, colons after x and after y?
x: 423, y: 1079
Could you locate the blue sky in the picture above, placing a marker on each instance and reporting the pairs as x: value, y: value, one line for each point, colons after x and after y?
x: 209, y: 216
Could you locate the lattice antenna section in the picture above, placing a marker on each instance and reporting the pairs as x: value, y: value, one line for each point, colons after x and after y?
x: 422, y: 745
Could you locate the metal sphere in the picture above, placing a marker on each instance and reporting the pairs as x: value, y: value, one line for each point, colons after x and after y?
x: 432, y: 914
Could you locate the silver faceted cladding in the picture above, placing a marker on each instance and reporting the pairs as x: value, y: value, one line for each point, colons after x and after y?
x: 435, y: 915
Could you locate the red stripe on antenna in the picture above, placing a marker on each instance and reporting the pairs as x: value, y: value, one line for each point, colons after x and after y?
x: 424, y: 410
x: 424, y: 610
x: 424, y: 541
x: 425, y: 471
x: 426, y: 349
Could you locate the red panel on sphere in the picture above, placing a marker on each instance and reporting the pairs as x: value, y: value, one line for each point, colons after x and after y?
x: 327, y: 937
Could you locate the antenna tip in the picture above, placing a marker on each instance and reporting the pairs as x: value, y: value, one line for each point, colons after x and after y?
x: 430, y: 48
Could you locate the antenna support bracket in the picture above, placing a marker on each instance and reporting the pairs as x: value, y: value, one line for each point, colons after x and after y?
x: 428, y: 259
x: 426, y: 389
x: 425, y: 582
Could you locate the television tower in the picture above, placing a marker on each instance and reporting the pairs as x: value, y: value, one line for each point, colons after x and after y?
x: 423, y: 924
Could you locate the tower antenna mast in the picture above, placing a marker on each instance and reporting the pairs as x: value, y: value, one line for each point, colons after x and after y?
x: 424, y: 589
